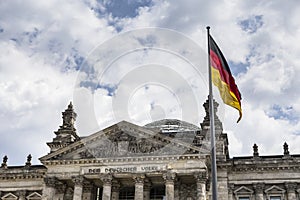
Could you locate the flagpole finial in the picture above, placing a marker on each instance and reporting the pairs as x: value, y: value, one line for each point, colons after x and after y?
x: 208, y: 27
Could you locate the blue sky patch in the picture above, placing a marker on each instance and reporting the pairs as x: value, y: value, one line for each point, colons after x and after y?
x: 284, y: 113
x: 252, y: 24
x: 124, y: 8
x: 110, y: 88
x: 238, y: 68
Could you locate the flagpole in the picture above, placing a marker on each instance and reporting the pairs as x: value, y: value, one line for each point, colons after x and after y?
x: 212, y: 126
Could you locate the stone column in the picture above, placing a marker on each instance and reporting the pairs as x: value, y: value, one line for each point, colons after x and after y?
x: 291, y: 190
x: 201, y: 178
x: 139, y: 187
x: 230, y: 191
x: 78, y: 187
x: 177, y: 190
x: 69, y: 193
x: 147, y: 189
x: 22, y: 195
x: 107, y: 182
x: 49, y: 188
x: 88, y: 189
x: 169, y: 178
x: 259, y: 191
x: 60, y: 191
x: 115, y: 190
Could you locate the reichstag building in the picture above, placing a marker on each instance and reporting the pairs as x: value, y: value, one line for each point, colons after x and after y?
x: 166, y: 159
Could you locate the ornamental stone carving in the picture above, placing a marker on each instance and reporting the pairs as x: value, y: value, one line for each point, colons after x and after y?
x: 169, y: 176
x: 78, y: 180
x: 139, y: 178
x: 286, y: 149
x: 4, y: 163
x: 88, y: 186
x: 259, y: 187
x: 60, y: 188
x: 50, y: 181
x: 201, y: 176
x: 106, y: 179
x: 255, y: 150
x: 115, y: 186
x: 21, y: 194
x: 291, y: 186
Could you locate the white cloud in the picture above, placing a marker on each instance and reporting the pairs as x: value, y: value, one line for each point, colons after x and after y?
x: 43, y: 43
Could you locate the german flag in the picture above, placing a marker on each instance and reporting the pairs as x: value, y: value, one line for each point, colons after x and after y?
x: 222, y: 78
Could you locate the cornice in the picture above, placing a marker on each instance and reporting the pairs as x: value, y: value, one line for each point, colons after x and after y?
x: 20, y: 176
x: 124, y: 159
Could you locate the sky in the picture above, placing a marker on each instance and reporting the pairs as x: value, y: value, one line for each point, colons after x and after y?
x: 142, y: 61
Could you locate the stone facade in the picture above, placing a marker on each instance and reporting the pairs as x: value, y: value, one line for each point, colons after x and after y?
x: 166, y: 159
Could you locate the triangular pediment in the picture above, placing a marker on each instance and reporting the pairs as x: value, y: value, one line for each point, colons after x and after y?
x: 243, y: 190
x: 9, y: 196
x: 34, y: 196
x: 274, y: 190
x: 123, y: 139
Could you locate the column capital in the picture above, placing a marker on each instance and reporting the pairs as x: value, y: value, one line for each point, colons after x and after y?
x: 60, y: 187
x: 50, y: 181
x: 259, y: 187
x: 21, y: 193
x: 230, y: 188
x: 87, y: 186
x: 201, y: 176
x: 291, y: 186
x: 147, y: 184
x: 139, y: 178
x: 115, y: 186
x: 106, y: 179
x: 78, y: 180
x: 169, y: 176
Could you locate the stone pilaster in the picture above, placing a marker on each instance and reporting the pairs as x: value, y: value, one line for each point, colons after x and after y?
x: 60, y: 191
x: 69, y: 193
x: 88, y: 189
x: 291, y: 190
x: 115, y: 190
x: 49, y: 188
x: 169, y: 178
x: 259, y: 191
x: 230, y: 191
x: 147, y: 188
x: 139, y: 186
x: 177, y: 190
x: 78, y: 187
x: 107, y: 184
x: 22, y: 195
x: 201, y: 178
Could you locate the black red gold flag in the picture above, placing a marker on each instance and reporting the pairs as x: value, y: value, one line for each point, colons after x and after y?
x: 223, y: 79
